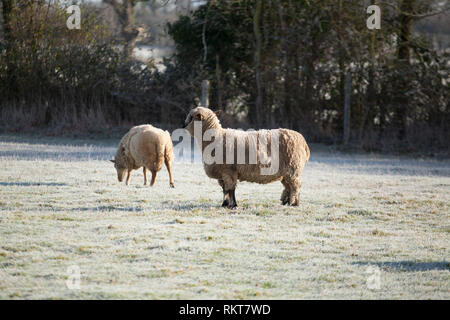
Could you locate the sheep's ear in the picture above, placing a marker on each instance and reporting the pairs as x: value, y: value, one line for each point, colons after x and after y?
x: 218, y: 112
x: 113, y: 161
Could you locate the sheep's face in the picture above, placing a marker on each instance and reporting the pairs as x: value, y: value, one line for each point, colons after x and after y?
x: 121, y: 170
x: 198, y: 114
x: 194, y: 115
x: 121, y: 173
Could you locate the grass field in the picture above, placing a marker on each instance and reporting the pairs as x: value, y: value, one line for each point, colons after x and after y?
x: 368, y: 226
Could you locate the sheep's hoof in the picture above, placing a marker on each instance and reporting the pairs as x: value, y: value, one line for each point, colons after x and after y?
x: 225, y: 203
x: 172, y: 185
x: 232, y: 206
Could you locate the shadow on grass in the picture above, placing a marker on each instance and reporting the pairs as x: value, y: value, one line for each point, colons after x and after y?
x: 189, y: 205
x: 63, y: 155
x: 39, y: 138
x: 388, y: 165
x: 209, y: 204
x: 33, y: 184
x: 106, y: 208
x: 410, y: 266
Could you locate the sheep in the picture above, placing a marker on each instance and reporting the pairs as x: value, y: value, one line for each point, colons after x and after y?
x: 292, y: 155
x: 144, y: 146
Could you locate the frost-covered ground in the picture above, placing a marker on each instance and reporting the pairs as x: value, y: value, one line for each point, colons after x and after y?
x: 368, y: 227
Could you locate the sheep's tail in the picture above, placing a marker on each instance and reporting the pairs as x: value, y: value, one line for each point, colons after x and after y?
x: 159, y: 159
x: 308, y: 153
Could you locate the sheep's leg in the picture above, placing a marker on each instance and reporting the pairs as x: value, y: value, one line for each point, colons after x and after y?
x: 233, y: 203
x: 226, y: 199
x: 145, y: 176
x: 169, y: 169
x: 152, y: 183
x: 127, y: 182
x: 294, y: 197
x: 230, y: 181
x: 285, y: 195
x: 226, y: 195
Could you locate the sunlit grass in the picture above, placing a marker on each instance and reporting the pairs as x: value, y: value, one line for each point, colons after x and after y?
x: 61, y: 205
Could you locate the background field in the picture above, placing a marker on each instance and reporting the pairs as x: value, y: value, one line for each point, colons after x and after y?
x: 61, y: 205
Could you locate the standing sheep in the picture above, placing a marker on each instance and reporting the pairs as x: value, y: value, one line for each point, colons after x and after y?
x: 144, y: 146
x: 293, y: 153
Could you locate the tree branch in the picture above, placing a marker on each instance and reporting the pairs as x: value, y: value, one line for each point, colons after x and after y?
x: 416, y: 15
x: 136, y: 1
x: 118, y: 8
x: 205, y: 46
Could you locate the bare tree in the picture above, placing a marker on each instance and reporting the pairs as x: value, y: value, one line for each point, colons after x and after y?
x: 408, y: 12
x: 259, y: 104
x: 125, y: 10
x: 7, y: 10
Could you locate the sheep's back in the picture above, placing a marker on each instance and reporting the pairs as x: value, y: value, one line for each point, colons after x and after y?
x: 294, y: 151
x: 148, y: 146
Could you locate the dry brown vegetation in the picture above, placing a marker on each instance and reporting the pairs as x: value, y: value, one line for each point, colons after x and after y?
x: 61, y: 205
x: 283, y: 65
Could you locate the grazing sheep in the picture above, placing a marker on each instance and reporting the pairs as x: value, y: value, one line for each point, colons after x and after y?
x: 293, y: 153
x: 144, y: 146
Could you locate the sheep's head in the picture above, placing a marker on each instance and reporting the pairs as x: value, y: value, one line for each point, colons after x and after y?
x: 120, y: 164
x: 206, y: 116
